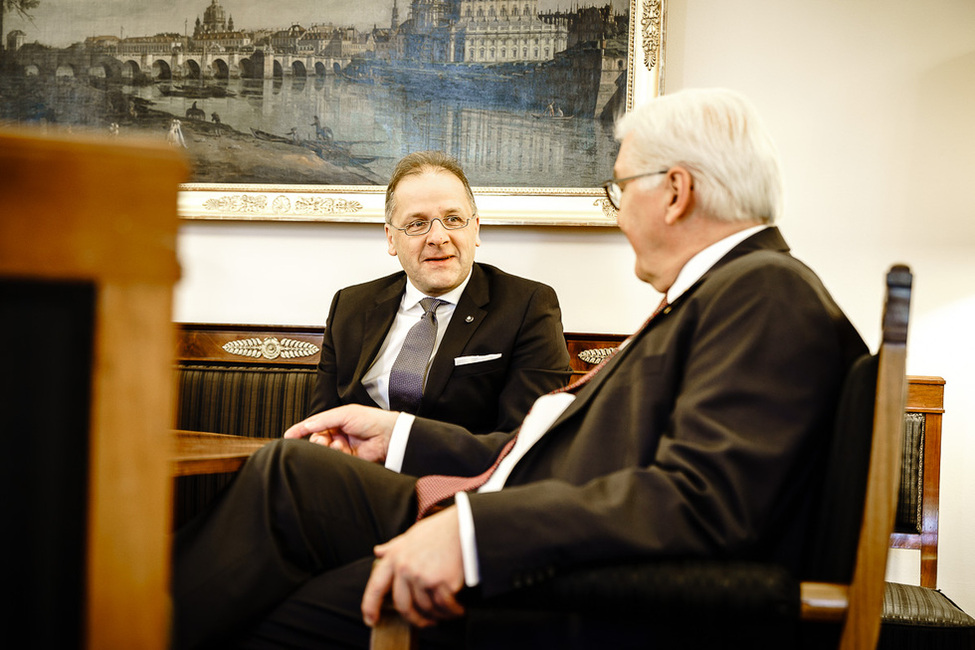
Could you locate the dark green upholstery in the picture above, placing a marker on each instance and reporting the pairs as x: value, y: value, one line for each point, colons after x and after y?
x: 923, y: 619
x: 260, y: 401
x: 910, y: 499
x: 916, y: 617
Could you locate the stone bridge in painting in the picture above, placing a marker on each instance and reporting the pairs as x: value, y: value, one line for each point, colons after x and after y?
x: 145, y: 67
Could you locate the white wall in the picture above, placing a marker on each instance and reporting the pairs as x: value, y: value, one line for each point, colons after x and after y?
x: 871, y: 104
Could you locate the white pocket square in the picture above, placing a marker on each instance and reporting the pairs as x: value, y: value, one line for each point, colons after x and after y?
x: 476, y: 358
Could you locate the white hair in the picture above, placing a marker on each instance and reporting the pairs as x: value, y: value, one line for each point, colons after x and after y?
x: 717, y: 135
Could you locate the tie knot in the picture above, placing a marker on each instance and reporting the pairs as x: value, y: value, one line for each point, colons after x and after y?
x: 430, y: 304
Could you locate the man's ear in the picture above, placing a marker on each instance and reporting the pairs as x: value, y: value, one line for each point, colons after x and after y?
x: 477, y: 231
x: 390, y: 246
x: 680, y: 183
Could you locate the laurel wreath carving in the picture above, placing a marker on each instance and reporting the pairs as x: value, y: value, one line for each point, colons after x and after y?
x: 596, y: 355
x: 651, y: 27
x: 282, y: 205
x: 271, y: 348
x: 236, y: 203
x: 322, y: 205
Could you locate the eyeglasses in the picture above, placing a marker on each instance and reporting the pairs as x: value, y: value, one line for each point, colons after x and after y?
x: 614, y: 186
x: 423, y: 226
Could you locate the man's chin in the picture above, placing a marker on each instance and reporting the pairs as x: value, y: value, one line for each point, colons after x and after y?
x: 440, y: 281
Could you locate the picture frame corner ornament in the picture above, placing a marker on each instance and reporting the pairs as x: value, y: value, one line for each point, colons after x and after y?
x: 651, y: 23
x: 608, y: 210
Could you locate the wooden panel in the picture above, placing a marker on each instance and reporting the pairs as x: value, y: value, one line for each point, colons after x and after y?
x: 581, y: 345
x: 249, y: 344
x: 104, y: 211
x: 205, y: 343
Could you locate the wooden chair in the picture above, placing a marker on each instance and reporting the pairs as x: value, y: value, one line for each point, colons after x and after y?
x: 87, y: 264
x: 839, y: 602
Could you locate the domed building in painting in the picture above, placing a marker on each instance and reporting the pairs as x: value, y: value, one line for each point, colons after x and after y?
x: 215, y: 21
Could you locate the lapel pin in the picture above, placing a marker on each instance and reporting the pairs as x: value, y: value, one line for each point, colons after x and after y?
x: 469, y: 319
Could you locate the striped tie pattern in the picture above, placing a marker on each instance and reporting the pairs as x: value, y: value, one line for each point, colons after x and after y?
x: 434, y: 489
x: 410, y: 367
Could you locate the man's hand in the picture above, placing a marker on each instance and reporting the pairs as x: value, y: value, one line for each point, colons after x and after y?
x: 353, y: 429
x: 422, y: 569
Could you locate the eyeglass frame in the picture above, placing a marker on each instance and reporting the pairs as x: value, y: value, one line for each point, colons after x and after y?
x: 620, y: 183
x: 467, y: 222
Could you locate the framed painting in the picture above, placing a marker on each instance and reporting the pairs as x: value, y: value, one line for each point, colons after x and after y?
x: 300, y: 114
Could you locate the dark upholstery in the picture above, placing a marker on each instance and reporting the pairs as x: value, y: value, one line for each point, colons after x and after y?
x: 242, y: 400
x: 909, y: 499
x: 674, y: 604
x: 917, y: 618
x: 259, y: 401
x: 836, y: 530
x: 45, y: 391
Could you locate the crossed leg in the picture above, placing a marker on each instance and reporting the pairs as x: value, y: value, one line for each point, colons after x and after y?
x: 290, y: 540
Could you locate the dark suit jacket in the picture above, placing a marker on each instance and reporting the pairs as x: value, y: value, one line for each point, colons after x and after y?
x: 497, y: 312
x: 704, y: 437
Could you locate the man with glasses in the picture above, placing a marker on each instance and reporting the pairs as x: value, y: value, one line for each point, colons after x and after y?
x: 704, y: 436
x: 488, y: 345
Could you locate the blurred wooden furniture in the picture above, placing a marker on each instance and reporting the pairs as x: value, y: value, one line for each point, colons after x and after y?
x: 88, y: 261
x: 212, y: 453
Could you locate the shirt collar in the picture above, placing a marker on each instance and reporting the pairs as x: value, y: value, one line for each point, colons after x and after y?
x: 413, y: 296
x: 701, y: 263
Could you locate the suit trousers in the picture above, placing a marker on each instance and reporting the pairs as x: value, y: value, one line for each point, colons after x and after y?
x: 296, y: 530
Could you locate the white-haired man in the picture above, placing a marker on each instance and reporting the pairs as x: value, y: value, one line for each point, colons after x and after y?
x: 702, y: 437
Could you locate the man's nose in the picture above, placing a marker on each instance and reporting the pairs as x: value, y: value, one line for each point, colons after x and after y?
x: 438, y: 233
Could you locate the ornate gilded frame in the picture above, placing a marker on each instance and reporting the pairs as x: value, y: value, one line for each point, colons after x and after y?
x: 496, y: 205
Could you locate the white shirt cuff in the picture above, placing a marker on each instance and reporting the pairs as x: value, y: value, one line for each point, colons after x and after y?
x: 397, y: 441
x: 468, y: 541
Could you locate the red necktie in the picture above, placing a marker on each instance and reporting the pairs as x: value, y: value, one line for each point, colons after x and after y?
x: 431, y: 490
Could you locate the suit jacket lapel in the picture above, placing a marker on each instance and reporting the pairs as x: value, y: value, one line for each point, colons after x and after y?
x: 376, y: 322
x: 467, y: 317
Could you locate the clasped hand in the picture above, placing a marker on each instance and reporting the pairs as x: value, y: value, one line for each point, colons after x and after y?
x: 422, y: 569
x: 353, y: 429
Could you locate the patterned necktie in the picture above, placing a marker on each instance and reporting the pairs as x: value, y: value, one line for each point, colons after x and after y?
x: 410, y: 368
x: 433, y: 489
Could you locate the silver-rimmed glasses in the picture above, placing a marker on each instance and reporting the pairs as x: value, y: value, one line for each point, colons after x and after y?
x: 614, y: 186
x: 422, y: 226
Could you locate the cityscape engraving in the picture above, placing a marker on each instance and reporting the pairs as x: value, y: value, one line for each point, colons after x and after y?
x: 520, y: 96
